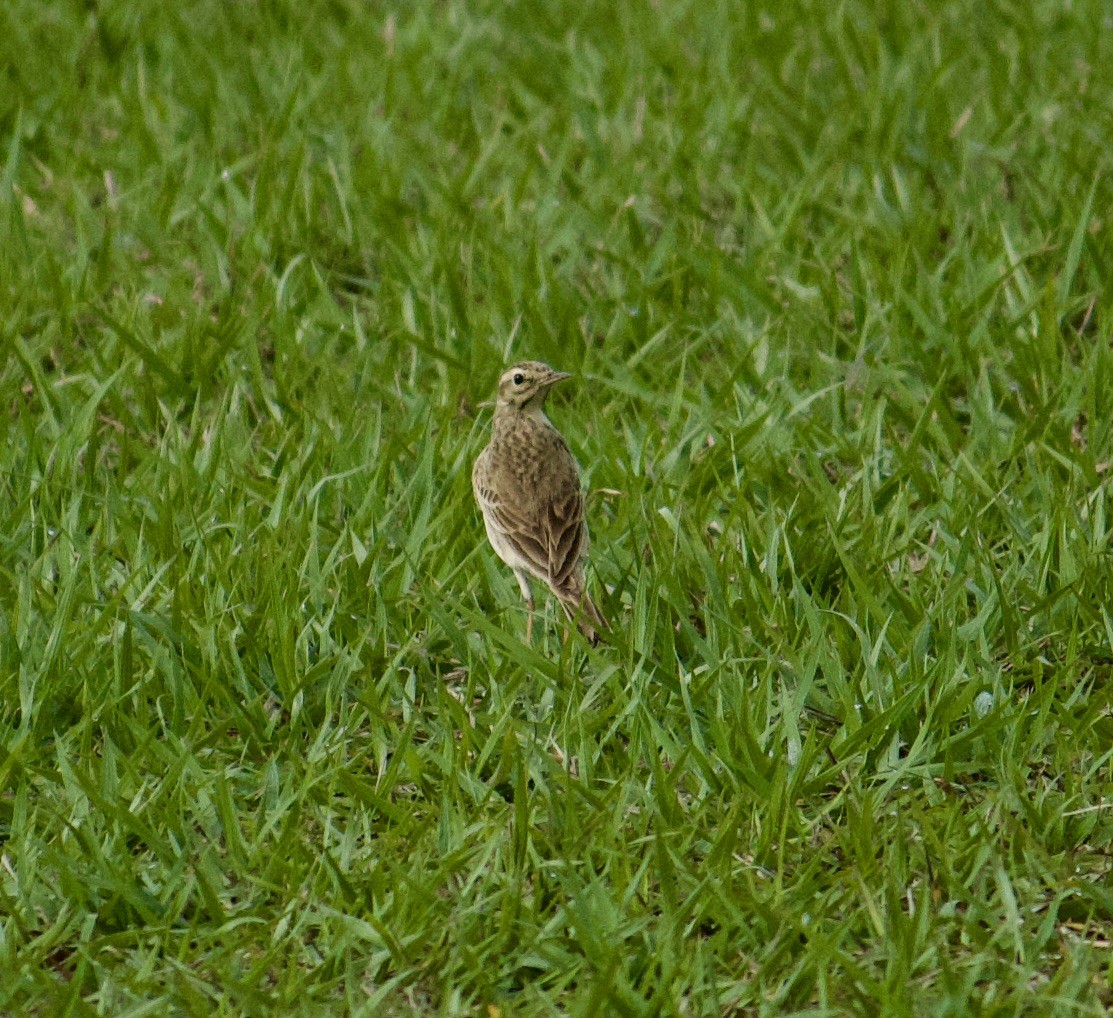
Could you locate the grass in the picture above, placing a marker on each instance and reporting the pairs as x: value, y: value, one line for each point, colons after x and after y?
x: 835, y: 280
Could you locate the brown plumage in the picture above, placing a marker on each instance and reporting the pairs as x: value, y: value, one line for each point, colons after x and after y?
x: 527, y: 485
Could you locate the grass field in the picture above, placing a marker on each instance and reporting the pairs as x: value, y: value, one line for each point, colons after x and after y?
x: 835, y: 280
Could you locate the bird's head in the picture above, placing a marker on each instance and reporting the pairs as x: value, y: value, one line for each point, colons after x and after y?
x: 526, y: 385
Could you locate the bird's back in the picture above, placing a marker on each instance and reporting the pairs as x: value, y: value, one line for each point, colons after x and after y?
x: 528, y: 461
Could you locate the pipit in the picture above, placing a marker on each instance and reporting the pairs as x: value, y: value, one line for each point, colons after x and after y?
x: 528, y: 486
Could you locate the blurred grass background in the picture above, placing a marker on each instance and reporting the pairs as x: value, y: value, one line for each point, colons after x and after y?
x: 835, y: 280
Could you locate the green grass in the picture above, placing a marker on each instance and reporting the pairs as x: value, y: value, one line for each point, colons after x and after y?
x: 836, y: 283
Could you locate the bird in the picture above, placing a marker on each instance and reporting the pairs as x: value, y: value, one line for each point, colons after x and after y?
x: 527, y: 485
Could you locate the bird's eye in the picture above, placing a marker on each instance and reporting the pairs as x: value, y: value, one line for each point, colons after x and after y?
x: 519, y: 378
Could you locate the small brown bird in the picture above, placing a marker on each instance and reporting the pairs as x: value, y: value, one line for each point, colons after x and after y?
x: 528, y: 487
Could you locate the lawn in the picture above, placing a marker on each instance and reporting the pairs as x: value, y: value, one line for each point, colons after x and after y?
x: 836, y: 283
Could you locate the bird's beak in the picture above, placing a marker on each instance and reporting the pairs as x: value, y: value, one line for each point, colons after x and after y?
x: 557, y: 376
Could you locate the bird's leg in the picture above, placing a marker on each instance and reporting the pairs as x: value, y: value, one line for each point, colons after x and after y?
x: 527, y: 594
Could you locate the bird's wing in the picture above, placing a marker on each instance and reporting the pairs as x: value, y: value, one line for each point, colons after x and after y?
x: 553, y: 541
x: 565, y: 532
x: 514, y: 526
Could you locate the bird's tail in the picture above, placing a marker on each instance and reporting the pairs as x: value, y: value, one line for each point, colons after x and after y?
x: 582, y: 610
